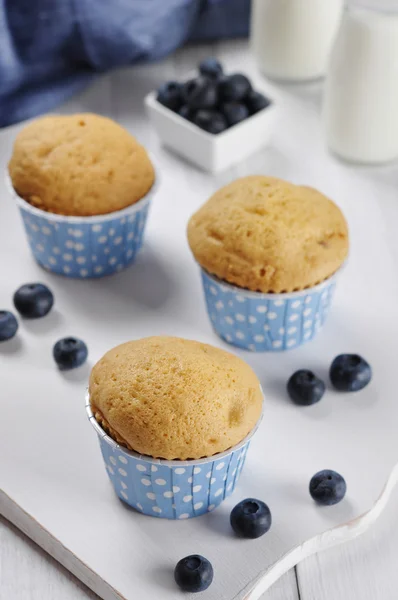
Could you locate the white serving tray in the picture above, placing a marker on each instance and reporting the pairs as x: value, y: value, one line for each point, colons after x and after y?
x: 53, y: 483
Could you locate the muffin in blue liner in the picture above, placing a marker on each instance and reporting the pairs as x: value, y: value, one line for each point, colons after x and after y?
x: 85, y: 247
x: 267, y: 322
x: 171, y: 489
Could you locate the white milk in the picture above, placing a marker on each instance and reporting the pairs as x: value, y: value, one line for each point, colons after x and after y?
x: 361, y: 94
x: 291, y: 39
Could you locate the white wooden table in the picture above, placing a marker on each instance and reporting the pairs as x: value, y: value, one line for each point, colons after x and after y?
x: 364, y: 569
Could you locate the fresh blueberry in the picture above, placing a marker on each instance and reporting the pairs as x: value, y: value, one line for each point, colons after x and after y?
x: 211, y: 121
x: 234, y: 112
x: 8, y: 325
x: 169, y: 94
x: 200, y: 92
x: 33, y: 300
x: 327, y: 487
x: 193, y: 573
x: 350, y: 373
x: 70, y: 353
x: 305, y: 388
x: 251, y: 518
x: 256, y: 102
x: 186, y: 113
x: 211, y: 68
x: 235, y: 88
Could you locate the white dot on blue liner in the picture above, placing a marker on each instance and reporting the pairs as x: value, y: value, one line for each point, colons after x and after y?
x: 52, y: 260
x: 151, y: 496
x: 279, y: 302
x: 293, y: 318
x: 184, y: 516
x: 141, y: 468
x: 130, y: 236
x: 307, y: 312
x: 229, y: 320
x: 198, y: 505
x: 220, y: 466
x: 261, y: 309
x: 282, y: 331
x: 106, y: 250
x: 272, y: 316
x: 56, y: 250
x: 156, y: 509
x: 213, y: 290
x: 69, y: 244
x: 213, y: 480
x: 219, y: 305
x: 197, y: 470
x: 83, y: 272
x: 122, y: 472
x: 67, y: 257
x: 259, y: 338
x: 154, y: 468
x: 46, y: 230
x: 96, y: 228
x: 307, y: 300
x: 113, y: 460
x: 98, y: 269
x: 118, y: 240
x: 176, y: 489
x: 228, y: 337
x: 291, y: 343
x: 66, y: 269
x: 187, y: 498
x: 292, y: 330
x: 40, y: 247
x: 208, y: 475
x: 239, y: 298
x: 196, y: 488
x: 307, y: 324
x: 277, y: 344
x: 229, y: 486
x: 111, y: 231
x: 252, y: 319
x: 240, y: 317
x: 139, y: 506
x: 112, y: 260
x: 129, y: 253
x: 124, y: 486
x: 123, y: 459
x: 179, y: 471
x: 296, y: 303
x: 266, y: 327
x: 190, y: 479
x: 211, y: 507
x: 125, y: 496
x: 240, y: 335
x: 81, y: 260
x: 168, y: 494
x: 219, y: 492
x: 34, y: 227
x: 102, y: 239
x: 79, y: 247
x: 146, y: 481
x: 160, y: 481
x: 111, y: 471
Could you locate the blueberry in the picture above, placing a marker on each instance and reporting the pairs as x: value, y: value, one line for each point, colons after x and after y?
x: 327, y: 487
x: 70, y: 353
x: 33, y: 300
x: 305, y: 388
x: 169, y: 94
x: 193, y: 573
x: 200, y: 92
x: 251, y: 518
x: 235, y: 88
x: 256, y: 102
x: 211, y: 68
x: 234, y: 112
x: 211, y: 121
x: 186, y: 113
x: 350, y: 373
x: 8, y: 325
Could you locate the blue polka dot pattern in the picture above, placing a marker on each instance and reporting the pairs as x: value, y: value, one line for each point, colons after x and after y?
x: 169, y: 491
x: 82, y: 248
x: 266, y: 322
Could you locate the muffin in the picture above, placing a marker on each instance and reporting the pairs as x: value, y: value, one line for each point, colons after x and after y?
x: 81, y: 176
x: 178, y: 415
x: 269, y: 251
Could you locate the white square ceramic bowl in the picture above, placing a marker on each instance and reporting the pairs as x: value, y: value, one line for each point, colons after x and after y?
x: 210, y: 152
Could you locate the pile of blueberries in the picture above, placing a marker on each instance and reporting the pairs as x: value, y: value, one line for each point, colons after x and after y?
x: 34, y: 301
x: 213, y: 101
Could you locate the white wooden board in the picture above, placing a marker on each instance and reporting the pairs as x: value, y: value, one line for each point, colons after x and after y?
x: 52, y: 478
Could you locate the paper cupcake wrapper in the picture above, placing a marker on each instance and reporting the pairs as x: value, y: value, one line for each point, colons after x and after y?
x: 85, y: 247
x: 266, y: 322
x: 170, y: 489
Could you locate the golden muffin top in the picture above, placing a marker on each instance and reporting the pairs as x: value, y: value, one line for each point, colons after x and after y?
x: 268, y: 235
x: 79, y: 165
x: 173, y: 398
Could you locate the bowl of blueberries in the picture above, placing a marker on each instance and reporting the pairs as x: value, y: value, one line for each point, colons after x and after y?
x: 212, y: 119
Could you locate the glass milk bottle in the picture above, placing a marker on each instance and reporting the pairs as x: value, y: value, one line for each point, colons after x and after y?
x: 291, y: 39
x: 361, y: 91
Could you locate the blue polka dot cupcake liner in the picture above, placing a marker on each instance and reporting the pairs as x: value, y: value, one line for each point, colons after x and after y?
x: 170, y: 489
x: 85, y: 247
x: 267, y: 322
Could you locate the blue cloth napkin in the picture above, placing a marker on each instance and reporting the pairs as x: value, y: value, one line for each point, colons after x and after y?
x: 49, y: 49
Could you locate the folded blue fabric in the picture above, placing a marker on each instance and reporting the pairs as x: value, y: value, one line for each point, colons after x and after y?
x: 49, y: 49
